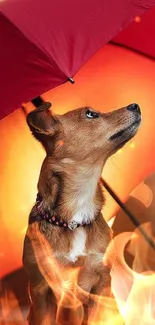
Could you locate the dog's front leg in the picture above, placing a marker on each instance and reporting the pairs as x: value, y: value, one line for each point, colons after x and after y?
x: 86, y: 280
x: 96, y: 286
x: 43, y: 307
x: 36, y: 260
x: 101, y: 305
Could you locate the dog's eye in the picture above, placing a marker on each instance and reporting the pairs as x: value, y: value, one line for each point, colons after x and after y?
x: 91, y: 114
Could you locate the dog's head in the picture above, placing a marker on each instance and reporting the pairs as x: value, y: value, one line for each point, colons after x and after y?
x: 84, y: 133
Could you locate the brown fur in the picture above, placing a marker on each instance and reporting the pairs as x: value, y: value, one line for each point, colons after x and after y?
x: 77, y: 148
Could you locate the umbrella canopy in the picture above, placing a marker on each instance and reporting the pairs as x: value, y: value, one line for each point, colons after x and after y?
x: 139, y: 35
x: 43, y: 43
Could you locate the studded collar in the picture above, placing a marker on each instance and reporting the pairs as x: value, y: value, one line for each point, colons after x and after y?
x: 54, y: 220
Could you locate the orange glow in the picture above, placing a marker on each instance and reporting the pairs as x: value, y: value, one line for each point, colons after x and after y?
x: 137, y: 19
x: 60, y: 143
x: 132, y: 145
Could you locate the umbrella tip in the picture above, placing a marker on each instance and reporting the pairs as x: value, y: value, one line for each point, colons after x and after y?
x: 71, y: 80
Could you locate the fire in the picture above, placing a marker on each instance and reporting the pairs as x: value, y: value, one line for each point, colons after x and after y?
x: 11, y: 313
x: 69, y: 296
x: 133, y: 298
x: 135, y: 292
x: 140, y: 305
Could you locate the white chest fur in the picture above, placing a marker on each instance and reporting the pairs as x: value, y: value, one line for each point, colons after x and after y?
x: 78, y: 245
x: 85, y: 212
x: 84, y: 201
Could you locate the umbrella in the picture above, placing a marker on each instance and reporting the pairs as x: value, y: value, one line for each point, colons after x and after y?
x: 139, y: 35
x: 44, y: 43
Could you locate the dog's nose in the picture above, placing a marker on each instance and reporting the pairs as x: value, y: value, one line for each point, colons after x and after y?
x: 134, y: 108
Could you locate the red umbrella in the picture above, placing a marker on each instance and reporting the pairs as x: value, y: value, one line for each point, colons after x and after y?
x: 139, y: 35
x: 44, y: 43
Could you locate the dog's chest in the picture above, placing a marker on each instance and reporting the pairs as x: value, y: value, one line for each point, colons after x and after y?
x: 85, y: 207
x: 78, y: 244
x: 85, y: 213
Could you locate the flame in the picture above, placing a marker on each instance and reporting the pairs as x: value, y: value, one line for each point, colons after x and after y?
x: 69, y: 296
x: 133, y: 290
x: 11, y: 312
x: 143, y: 193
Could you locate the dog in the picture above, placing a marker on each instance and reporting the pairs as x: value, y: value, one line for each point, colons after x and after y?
x: 66, y: 223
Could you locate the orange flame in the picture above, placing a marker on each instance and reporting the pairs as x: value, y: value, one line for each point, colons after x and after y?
x: 134, y: 292
x: 69, y: 296
x: 11, y: 312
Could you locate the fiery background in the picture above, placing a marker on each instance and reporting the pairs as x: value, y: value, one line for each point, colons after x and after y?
x: 106, y: 82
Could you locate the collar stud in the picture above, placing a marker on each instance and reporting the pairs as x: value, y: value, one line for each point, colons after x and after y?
x: 72, y: 225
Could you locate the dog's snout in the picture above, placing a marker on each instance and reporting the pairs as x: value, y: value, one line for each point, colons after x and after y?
x: 134, y: 108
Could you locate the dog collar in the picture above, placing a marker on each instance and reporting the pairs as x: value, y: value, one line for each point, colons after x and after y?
x: 54, y: 220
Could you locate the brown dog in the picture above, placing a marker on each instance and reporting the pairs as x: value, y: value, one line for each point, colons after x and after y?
x: 66, y: 223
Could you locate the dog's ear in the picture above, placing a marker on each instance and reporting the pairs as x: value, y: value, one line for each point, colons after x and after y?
x: 42, y: 123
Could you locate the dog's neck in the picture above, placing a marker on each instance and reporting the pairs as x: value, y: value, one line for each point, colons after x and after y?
x: 79, y: 196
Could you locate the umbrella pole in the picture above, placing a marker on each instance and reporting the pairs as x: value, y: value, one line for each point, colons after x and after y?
x: 37, y: 102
